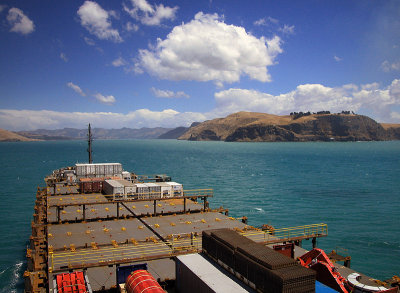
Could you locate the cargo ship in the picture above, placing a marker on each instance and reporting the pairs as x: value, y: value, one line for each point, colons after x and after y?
x: 99, y: 228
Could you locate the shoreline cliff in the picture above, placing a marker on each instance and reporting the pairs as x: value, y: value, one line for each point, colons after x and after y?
x: 261, y: 127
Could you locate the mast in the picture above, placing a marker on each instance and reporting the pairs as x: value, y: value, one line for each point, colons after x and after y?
x: 90, y: 139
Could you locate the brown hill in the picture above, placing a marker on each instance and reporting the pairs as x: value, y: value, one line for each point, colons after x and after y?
x: 6, y: 135
x: 390, y: 125
x: 392, y: 129
x: 248, y: 126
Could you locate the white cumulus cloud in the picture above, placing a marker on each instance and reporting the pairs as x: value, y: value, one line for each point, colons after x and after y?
x: 168, y: 94
x: 207, y: 49
x: 30, y: 119
x: 96, y: 20
x: 19, y: 22
x: 149, y: 14
x: 76, y: 88
x: 314, y: 97
x: 104, y: 99
x: 380, y: 102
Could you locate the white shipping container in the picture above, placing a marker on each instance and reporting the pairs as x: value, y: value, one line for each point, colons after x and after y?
x: 108, y: 170
x: 142, y: 190
x: 90, y: 170
x: 166, y: 189
x: 129, y: 187
x: 154, y: 190
x: 113, y: 187
x: 194, y: 273
x: 177, y: 189
x: 80, y: 169
x: 130, y: 190
x: 117, y: 168
x: 103, y: 169
x: 99, y: 169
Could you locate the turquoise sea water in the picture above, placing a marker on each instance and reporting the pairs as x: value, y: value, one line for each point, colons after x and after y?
x: 353, y: 187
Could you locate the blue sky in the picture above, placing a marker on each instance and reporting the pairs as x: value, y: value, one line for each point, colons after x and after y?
x: 143, y: 63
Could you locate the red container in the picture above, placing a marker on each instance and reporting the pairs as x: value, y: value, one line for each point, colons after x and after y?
x: 141, y: 281
x: 86, y: 187
x: 97, y: 186
x: 91, y: 184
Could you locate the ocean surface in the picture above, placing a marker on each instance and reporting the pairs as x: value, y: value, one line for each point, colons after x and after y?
x: 353, y: 187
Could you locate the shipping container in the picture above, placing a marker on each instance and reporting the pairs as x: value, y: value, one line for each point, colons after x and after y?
x: 194, y: 273
x: 97, y: 184
x: 129, y: 188
x: 154, y: 190
x: 99, y: 169
x: 96, y: 170
x: 85, y: 185
x: 166, y: 189
x: 108, y: 169
x: 91, y: 184
x: 177, y: 188
x: 80, y: 170
x: 114, y: 188
x: 142, y: 190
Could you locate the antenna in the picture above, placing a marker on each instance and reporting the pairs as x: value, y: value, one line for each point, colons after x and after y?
x: 90, y: 139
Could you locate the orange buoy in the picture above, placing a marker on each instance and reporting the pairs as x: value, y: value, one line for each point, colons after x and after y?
x: 141, y: 281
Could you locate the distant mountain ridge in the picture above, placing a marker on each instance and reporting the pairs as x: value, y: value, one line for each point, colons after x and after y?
x: 98, y: 133
x: 6, y: 135
x: 250, y: 126
x: 177, y: 132
x: 241, y: 126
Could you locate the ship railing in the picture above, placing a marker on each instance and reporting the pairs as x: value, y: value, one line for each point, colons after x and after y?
x: 152, y: 177
x: 176, y: 194
x: 123, y: 253
x: 289, y: 234
x: 96, y: 198
x: 198, y: 192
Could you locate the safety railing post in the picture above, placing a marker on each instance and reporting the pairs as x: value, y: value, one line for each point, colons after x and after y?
x: 52, y: 262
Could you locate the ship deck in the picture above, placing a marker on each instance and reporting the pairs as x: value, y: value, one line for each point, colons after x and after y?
x: 91, y: 232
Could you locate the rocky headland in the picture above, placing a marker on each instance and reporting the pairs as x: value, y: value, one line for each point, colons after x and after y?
x: 257, y: 127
